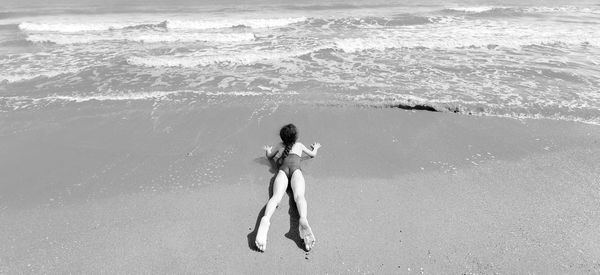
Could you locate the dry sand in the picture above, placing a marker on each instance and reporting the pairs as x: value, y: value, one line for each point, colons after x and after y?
x: 99, y: 190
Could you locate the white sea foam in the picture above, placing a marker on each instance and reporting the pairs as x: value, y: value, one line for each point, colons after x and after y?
x: 227, y: 23
x: 225, y: 57
x: 386, y: 99
x: 473, y: 9
x: 78, y: 24
x: 563, y: 9
x: 535, y: 9
x: 152, y: 95
x: 146, y: 28
x: 477, y: 33
x: 13, y: 77
x: 114, y: 96
x: 50, y: 63
x: 147, y: 37
x: 69, y: 27
x: 133, y: 96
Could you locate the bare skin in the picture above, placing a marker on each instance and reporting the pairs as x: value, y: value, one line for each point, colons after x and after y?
x: 298, y: 187
x: 279, y: 186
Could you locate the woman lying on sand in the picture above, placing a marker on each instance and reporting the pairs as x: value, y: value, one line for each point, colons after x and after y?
x: 288, y: 154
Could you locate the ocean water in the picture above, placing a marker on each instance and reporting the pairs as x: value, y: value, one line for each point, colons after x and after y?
x: 536, y: 59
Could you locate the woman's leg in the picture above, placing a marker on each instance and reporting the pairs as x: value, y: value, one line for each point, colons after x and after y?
x: 298, y: 187
x: 279, y: 187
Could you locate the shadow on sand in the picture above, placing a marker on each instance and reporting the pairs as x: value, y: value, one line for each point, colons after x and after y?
x: 293, y: 233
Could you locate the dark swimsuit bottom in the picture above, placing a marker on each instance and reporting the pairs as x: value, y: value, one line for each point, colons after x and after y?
x: 290, y: 164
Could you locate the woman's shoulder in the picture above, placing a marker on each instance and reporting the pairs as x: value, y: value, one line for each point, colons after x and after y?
x: 299, y: 144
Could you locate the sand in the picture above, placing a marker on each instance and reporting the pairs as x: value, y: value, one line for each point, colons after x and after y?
x: 134, y: 190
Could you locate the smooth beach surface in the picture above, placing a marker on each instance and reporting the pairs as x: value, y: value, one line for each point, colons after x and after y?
x: 90, y: 189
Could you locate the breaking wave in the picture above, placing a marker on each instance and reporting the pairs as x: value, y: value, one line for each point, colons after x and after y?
x: 471, y: 34
x: 72, y: 25
x: 228, y: 23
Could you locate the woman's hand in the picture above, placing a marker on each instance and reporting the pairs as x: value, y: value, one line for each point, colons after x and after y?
x: 268, y: 149
x: 316, y: 145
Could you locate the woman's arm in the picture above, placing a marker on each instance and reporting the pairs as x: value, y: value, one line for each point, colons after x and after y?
x: 315, y: 147
x: 271, y: 151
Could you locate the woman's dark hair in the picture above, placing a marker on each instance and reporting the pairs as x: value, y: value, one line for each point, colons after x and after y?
x: 289, y: 135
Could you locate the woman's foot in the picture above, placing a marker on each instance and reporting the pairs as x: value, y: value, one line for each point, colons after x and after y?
x: 306, y: 234
x: 261, y: 236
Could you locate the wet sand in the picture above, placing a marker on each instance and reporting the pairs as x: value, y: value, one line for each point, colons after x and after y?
x: 101, y: 189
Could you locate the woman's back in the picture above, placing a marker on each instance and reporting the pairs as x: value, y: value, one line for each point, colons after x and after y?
x: 295, y: 150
